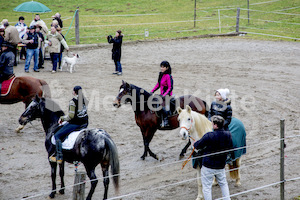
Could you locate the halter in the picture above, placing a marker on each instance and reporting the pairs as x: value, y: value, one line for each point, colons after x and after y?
x: 193, y: 148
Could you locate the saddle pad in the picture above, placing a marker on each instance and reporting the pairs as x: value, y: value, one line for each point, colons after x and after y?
x: 69, y: 141
x: 6, y: 85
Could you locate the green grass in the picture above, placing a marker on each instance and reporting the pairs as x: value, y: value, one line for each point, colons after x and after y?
x: 167, y: 18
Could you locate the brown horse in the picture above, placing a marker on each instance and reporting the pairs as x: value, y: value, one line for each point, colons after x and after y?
x: 25, y: 88
x: 145, y: 115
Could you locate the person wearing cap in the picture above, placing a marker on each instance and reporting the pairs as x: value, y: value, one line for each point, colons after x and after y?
x: 32, y: 42
x: 221, y: 106
x: 77, y: 117
x: 6, y: 63
x: 11, y: 35
x: 213, y: 142
x: 54, y: 40
x: 116, y: 51
x: 22, y: 28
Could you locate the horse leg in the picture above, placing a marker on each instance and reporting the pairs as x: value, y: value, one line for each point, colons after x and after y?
x: 61, y: 174
x: 200, y: 192
x: 92, y: 176
x: 145, y: 148
x: 147, y: 139
x: 235, y: 171
x: 105, y: 167
x: 53, y: 177
x: 183, y: 151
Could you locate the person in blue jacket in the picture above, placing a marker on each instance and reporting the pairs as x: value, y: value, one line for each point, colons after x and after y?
x: 213, y: 164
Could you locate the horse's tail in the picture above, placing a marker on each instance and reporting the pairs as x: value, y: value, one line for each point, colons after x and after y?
x: 45, y: 89
x: 114, y: 162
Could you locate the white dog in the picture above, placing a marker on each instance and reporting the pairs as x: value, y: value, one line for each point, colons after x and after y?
x: 72, y: 61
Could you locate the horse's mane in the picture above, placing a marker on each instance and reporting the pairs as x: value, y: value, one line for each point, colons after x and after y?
x: 202, y: 124
x: 52, y: 106
x: 139, y: 92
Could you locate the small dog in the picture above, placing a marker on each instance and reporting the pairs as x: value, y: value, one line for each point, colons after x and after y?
x: 72, y: 61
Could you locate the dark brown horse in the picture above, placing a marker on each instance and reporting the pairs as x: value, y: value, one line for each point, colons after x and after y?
x: 25, y: 88
x: 145, y: 116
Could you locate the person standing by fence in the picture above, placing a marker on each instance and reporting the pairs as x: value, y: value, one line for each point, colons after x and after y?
x: 116, y: 51
x: 54, y: 40
x: 214, y: 165
x: 32, y: 42
x: 22, y: 28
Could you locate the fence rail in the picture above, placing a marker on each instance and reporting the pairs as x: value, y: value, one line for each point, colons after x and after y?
x: 95, y: 28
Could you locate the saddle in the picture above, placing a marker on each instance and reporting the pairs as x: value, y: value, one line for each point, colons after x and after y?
x: 172, y: 105
x: 5, y: 86
x: 69, y: 140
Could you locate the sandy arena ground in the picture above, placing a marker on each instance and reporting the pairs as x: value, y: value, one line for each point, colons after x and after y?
x: 264, y: 79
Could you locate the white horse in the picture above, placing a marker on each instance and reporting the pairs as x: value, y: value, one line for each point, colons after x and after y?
x: 193, y: 126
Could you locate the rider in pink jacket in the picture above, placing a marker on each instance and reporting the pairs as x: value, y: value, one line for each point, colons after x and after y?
x: 165, y: 84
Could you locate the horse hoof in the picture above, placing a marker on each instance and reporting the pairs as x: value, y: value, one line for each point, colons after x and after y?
x: 143, y: 158
x: 52, y: 195
x: 238, y: 184
x: 18, y: 130
x: 61, y: 191
x: 161, y: 159
x: 181, y: 157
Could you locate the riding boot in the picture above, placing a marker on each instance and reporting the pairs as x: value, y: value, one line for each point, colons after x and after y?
x: 165, y: 120
x: 59, y: 155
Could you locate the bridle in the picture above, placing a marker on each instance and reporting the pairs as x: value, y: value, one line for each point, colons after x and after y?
x: 193, y: 148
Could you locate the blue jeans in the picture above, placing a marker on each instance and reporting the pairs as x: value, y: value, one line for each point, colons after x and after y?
x: 54, y: 58
x: 35, y: 54
x: 65, y: 130
x: 118, y: 66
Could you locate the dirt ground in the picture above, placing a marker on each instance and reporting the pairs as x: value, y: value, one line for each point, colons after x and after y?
x: 264, y: 80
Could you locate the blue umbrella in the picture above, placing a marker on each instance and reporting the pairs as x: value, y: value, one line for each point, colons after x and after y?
x: 32, y: 7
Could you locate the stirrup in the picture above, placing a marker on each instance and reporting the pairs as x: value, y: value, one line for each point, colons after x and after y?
x: 52, y: 158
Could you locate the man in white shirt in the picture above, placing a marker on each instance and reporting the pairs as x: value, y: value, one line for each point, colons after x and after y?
x: 22, y: 28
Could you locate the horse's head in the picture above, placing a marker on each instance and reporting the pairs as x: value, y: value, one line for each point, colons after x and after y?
x: 32, y: 111
x: 186, y: 121
x: 125, y: 90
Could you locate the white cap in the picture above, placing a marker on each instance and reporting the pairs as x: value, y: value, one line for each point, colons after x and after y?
x: 223, y: 93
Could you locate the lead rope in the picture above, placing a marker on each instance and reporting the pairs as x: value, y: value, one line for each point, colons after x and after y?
x: 76, y: 163
x: 189, y: 158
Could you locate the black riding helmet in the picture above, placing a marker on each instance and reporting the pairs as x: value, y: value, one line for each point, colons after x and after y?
x: 77, y: 88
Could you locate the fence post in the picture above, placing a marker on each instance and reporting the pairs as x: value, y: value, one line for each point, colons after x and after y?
x: 248, y: 12
x: 237, y: 20
x: 195, y: 10
x: 77, y: 26
x: 282, y: 159
x: 219, y: 20
x: 79, y: 189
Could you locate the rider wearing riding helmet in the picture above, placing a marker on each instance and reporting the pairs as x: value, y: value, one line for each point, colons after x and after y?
x: 6, y: 63
x: 165, y: 84
x: 76, y: 118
